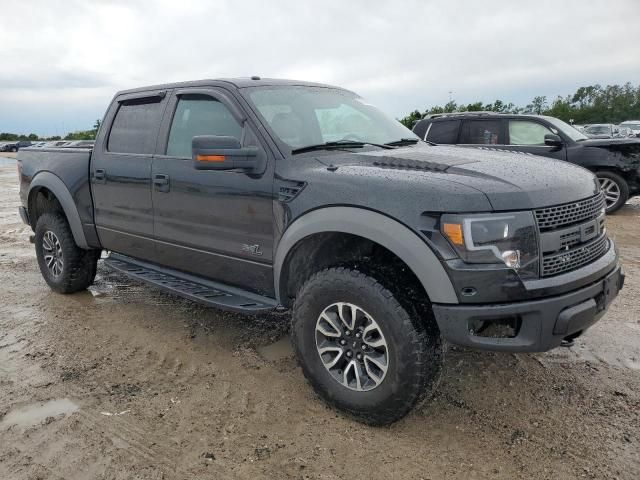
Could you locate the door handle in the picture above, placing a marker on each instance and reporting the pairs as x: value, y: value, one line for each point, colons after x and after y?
x: 100, y: 175
x: 161, y: 182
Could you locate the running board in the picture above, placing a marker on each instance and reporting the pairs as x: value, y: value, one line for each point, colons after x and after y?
x: 194, y: 288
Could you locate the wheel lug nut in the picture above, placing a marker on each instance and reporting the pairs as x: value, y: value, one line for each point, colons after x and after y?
x: 343, y: 342
x: 358, y: 335
x: 349, y: 354
x: 347, y: 333
x: 364, y: 347
x: 359, y: 356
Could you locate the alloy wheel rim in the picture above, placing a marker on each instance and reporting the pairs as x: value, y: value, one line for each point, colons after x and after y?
x: 611, y: 191
x: 352, y: 346
x: 52, y: 249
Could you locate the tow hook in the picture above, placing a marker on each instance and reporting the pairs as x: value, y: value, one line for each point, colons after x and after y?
x: 569, y: 340
x: 32, y: 239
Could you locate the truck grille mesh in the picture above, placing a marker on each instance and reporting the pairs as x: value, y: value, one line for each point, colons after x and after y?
x: 571, y: 213
x: 574, y: 258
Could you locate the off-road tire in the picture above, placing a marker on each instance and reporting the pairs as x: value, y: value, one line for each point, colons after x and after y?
x: 79, y: 265
x: 622, y: 186
x: 415, y: 346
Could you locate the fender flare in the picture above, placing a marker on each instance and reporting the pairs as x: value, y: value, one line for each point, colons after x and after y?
x: 378, y: 228
x: 56, y: 186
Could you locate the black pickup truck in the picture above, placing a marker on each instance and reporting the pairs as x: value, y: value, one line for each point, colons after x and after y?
x: 615, y: 161
x: 254, y: 194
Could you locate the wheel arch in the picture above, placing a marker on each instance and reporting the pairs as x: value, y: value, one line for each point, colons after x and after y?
x: 47, y: 181
x: 375, y: 227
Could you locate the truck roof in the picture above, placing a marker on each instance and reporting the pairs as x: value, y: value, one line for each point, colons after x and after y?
x: 242, y: 82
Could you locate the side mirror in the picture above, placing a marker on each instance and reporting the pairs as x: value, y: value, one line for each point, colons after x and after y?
x: 212, y: 152
x: 553, y: 140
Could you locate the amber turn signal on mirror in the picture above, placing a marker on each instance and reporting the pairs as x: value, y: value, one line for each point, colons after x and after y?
x: 210, y: 158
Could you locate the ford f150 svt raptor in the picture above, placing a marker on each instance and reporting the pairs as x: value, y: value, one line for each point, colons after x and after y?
x: 256, y: 194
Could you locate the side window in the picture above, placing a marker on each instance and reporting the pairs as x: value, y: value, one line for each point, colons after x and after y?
x: 522, y: 132
x: 199, y: 115
x: 135, y: 126
x: 444, y: 132
x: 482, y: 132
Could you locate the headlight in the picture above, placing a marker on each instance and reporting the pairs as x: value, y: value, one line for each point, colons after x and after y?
x: 509, y: 238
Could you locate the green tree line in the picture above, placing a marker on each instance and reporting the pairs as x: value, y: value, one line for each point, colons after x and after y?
x: 79, y: 135
x: 592, y: 104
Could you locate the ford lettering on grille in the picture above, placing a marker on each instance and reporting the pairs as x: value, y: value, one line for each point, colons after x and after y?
x: 571, y: 235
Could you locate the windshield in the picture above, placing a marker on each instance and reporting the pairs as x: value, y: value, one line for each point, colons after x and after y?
x: 598, y: 129
x: 567, y: 129
x: 632, y: 126
x: 302, y: 116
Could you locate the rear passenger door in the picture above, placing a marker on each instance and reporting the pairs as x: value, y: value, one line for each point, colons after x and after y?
x: 121, y: 174
x: 482, y: 131
x: 213, y: 223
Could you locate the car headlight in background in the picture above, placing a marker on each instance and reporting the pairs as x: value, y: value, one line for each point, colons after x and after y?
x: 507, y: 238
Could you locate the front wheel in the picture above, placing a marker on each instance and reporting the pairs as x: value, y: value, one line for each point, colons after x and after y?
x: 360, y: 349
x: 65, y: 267
x: 615, y: 190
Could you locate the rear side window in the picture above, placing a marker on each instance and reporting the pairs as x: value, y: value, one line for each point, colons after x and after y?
x: 199, y: 115
x: 482, y: 132
x: 135, y: 127
x: 444, y: 132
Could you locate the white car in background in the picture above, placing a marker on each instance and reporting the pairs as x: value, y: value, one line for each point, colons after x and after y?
x: 634, y: 125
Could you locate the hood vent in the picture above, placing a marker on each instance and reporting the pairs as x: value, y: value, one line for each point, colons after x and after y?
x: 390, y: 162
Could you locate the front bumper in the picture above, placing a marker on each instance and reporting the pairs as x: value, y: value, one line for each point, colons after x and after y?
x: 542, y: 324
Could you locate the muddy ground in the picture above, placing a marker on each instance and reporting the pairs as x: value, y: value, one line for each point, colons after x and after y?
x: 123, y: 381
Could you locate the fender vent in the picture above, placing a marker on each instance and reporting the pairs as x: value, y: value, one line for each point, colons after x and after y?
x: 288, y: 192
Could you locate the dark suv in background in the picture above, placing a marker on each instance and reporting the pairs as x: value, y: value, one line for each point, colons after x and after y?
x: 15, y: 146
x: 613, y: 160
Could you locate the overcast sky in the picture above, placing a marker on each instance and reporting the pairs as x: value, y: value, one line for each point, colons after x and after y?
x: 61, y: 61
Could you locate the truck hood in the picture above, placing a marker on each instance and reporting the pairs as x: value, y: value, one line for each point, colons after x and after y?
x: 612, y: 143
x: 509, y: 180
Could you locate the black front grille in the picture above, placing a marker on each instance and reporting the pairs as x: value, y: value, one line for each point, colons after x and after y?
x: 575, y: 258
x: 571, y: 213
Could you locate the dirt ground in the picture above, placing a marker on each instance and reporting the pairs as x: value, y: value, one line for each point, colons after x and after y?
x: 125, y: 382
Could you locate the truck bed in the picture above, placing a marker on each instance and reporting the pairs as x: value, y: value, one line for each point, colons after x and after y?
x: 70, y: 165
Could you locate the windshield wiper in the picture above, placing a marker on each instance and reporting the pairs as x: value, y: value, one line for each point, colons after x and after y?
x: 337, y: 144
x: 403, y: 141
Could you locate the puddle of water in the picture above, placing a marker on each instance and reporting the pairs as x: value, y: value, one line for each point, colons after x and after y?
x: 7, y: 161
x: 277, y: 351
x: 33, y: 415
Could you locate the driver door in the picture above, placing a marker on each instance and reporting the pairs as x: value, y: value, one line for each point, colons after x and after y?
x: 217, y: 224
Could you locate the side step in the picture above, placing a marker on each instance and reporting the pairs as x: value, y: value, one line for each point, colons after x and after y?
x: 189, y: 286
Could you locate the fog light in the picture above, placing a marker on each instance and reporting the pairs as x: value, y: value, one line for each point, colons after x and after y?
x: 511, y: 258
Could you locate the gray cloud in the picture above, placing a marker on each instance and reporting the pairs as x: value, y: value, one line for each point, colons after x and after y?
x: 401, y: 55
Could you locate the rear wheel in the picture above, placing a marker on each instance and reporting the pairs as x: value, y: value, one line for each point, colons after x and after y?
x: 65, y: 267
x: 360, y: 349
x: 615, y: 190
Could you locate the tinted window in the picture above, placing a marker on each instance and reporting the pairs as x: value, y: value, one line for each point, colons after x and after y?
x: 482, y: 132
x: 199, y: 115
x: 444, y: 132
x: 135, y: 127
x: 522, y: 132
